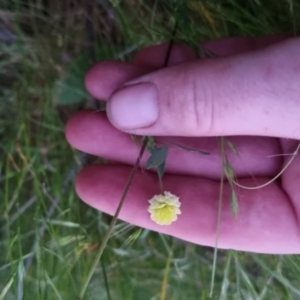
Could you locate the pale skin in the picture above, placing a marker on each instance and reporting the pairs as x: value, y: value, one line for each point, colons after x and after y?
x: 250, y: 94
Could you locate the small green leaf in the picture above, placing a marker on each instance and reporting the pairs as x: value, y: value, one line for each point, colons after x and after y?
x: 232, y: 148
x: 229, y: 171
x: 157, y: 157
x: 234, y: 202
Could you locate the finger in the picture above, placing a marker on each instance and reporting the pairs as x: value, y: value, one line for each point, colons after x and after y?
x: 249, y: 94
x: 91, y: 132
x: 235, y: 45
x: 155, y: 56
x: 105, y: 77
x: 265, y: 217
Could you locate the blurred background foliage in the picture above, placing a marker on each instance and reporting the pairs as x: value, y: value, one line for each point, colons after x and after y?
x: 48, y: 238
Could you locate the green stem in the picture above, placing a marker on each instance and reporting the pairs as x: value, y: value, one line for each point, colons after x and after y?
x: 218, y: 217
x: 113, y: 222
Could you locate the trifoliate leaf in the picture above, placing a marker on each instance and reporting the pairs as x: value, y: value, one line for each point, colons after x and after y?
x: 158, y: 156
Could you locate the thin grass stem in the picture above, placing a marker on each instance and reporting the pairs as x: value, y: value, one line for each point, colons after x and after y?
x: 274, y: 178
x: 114, y: 220
x: 219, y: 217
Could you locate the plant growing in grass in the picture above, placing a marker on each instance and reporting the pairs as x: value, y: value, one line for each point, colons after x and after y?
x: 165, y: 207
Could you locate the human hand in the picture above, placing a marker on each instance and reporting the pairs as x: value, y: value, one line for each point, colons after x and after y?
x: 251, y: 95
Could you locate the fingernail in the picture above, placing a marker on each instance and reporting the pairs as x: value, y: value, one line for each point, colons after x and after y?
x: 134, y: 106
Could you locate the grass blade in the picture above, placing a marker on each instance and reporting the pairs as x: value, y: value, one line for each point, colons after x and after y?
x: 218, y: 218
x: 277, y: 276
x: 225, y: 283
x: 6, y: 288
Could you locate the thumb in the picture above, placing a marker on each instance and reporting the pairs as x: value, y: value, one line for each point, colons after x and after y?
x: 256, y: 93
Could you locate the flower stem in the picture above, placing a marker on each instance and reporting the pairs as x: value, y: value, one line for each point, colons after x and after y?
x: 222, y: 150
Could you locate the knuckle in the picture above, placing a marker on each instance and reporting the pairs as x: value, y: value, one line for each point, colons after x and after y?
x: 201, y: 109
x: 191, y: 102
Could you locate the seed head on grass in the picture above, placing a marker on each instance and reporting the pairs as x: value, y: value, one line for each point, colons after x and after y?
x: 164, y: 208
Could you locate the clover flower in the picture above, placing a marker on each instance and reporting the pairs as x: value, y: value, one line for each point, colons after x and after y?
x: 164, y: 208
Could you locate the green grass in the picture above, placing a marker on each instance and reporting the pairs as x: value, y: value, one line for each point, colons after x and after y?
x: 48, y: 238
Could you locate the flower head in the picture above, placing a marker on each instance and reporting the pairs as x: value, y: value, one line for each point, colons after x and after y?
x: 164, y: 208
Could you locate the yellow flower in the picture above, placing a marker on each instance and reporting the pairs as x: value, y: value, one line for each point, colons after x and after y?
x: 164, y: 208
